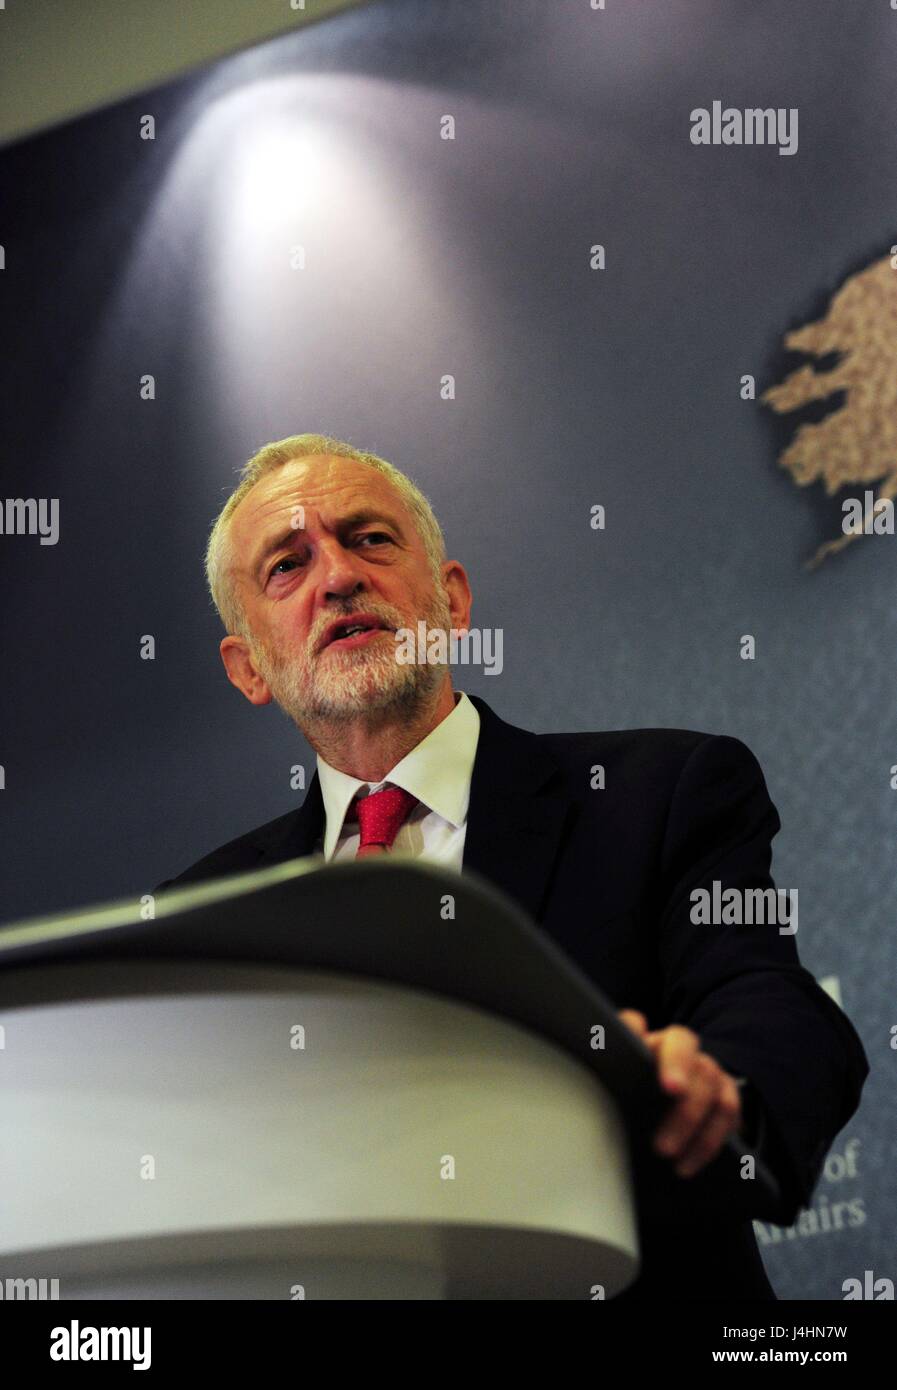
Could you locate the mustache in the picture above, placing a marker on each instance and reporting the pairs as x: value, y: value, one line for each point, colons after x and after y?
x: 274, y: 660
x: 432, y: 612
x: 390, y: 617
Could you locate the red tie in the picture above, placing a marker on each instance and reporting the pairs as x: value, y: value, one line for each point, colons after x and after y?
x: 379, y: 816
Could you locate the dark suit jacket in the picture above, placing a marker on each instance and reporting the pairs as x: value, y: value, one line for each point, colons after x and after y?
x: 608, y: 874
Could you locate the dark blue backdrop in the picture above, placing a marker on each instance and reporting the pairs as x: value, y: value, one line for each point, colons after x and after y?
x: 470, y: 257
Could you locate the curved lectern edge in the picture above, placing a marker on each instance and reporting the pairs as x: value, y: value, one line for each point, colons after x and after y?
x: 541, y: 987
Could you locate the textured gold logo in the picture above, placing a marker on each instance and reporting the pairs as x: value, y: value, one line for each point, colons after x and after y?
x: 857, y: 443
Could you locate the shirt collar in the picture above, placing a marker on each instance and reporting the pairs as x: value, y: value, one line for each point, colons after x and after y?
x: 438, y: 771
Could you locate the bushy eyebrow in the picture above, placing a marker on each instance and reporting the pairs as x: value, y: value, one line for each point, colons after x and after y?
x: 361, y: 517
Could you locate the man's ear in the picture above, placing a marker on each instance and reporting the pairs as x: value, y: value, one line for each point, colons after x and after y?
x: 460, y: 598
x: 241, y: 671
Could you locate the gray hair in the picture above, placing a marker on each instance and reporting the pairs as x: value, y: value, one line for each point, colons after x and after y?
x: 219, y: 552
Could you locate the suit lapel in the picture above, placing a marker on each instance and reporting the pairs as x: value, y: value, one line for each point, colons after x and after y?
x: 515, y: 821
x: 299, y: 832
x: 518, y: 810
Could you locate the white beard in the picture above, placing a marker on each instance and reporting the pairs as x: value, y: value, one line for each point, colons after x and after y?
x: 334, y: 686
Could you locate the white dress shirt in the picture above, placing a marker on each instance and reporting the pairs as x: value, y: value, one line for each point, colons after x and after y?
x: 437, y: 771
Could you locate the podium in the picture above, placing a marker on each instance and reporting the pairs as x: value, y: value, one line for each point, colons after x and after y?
x: 356, y: 1081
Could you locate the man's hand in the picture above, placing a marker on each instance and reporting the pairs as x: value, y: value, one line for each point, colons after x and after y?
x: 709, y: 1106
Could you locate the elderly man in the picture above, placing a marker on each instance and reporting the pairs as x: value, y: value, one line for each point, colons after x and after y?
x: 318, y: 562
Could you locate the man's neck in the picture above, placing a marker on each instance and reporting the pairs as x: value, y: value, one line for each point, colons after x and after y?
x: 369, y: 749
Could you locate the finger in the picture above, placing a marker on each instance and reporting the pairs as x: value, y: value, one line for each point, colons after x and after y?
x: 676, y: 1050
x: 692, y: 1109
x: 704, y: 1146
x: 635, y: 1020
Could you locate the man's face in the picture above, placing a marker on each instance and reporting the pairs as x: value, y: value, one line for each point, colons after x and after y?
x: 354, y: 552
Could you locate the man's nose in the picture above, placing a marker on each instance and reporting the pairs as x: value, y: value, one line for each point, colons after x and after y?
x: 344, y: 592
x: 341, y: 572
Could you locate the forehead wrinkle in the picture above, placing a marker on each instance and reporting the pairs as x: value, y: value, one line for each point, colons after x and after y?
x: 282, y: 502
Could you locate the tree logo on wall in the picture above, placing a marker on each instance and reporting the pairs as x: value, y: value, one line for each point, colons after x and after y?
x: 855, y: 445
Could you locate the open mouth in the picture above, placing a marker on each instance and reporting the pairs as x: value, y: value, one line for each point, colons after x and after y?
x: 354, y: 632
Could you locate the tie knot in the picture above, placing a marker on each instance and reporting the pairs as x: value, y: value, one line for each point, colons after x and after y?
x: 380, y: 815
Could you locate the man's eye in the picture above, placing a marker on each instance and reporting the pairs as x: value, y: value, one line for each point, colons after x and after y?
x: 376, y: 536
